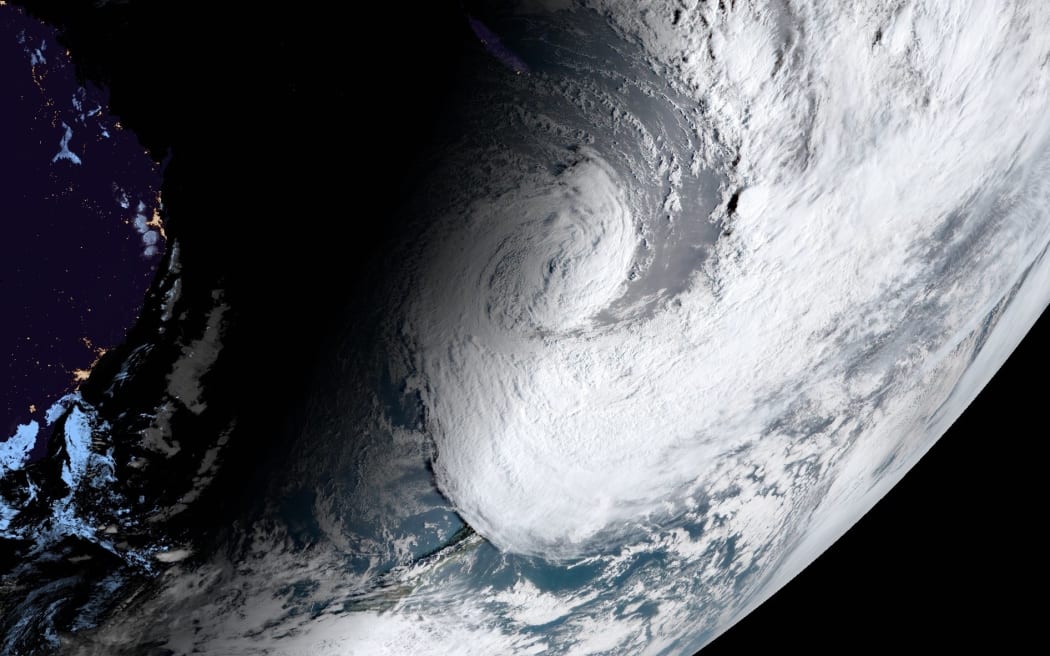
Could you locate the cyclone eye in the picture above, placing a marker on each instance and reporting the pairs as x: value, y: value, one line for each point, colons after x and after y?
x: 558, y: 253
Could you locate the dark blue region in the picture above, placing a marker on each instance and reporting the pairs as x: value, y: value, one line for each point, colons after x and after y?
x: 74, y: 267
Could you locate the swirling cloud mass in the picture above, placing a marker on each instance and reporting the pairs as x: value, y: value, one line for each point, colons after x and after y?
x: 888, y: 165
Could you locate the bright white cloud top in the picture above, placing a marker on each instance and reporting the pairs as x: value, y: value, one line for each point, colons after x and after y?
x: 892, y: 202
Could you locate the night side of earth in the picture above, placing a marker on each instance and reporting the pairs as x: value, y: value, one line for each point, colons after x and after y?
x: 526, y: 327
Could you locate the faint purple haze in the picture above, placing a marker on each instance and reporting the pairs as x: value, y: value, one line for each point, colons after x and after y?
x: 496, y: 48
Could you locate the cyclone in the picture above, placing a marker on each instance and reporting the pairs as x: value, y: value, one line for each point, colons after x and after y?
x: 847, y: 196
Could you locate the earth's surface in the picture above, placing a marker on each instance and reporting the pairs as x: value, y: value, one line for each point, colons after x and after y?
x: 680, y: 291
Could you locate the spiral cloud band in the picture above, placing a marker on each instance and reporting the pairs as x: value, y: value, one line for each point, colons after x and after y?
x: 888, y: 198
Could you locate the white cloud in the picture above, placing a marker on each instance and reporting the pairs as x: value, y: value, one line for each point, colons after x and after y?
x: 65, y: 153
x: 870, y: 235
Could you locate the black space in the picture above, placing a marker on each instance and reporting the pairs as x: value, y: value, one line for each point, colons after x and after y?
x: 264, y: 111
